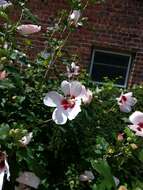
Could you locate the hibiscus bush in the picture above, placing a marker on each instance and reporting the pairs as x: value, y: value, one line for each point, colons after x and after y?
x: 58, y: 129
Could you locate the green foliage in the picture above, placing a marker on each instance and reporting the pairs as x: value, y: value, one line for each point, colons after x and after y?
x: 59, y: 154
x: 103, y: 169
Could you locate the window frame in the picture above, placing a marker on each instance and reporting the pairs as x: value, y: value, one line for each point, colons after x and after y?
x: 114, y: 53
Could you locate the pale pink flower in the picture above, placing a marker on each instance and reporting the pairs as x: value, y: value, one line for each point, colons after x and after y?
x: 86, y: 95
x: 137, y: 120
x: 27, y: 29
x: 26, y: 139
x: 126, y: 101
x: 29, y: 179
x: 72, y: 70
x: 120, y: 136
x: 86, y: 176
x: 74, y: 17
x: 3, y: 75
x: 67, y: 106
x: 4, y: 4
x: 4, y: 168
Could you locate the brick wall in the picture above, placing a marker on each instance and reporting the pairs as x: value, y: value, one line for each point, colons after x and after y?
x: 115, y: 25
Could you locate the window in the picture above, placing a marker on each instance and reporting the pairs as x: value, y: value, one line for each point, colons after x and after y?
x: 112, y: 65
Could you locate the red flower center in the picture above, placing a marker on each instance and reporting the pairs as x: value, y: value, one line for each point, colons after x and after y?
x: 2, y: 160
x: 68, y: 103
x: 140, y: 126
x: 123, y: 99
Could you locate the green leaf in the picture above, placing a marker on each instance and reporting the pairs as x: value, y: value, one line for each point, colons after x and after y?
x: 6, y: 84
x: 4, y: 130
x: 102, y: 167
x: 140, y: 156
x: 3, y: 15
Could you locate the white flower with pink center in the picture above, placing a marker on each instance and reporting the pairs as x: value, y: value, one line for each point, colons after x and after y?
x: 74, y: 17
x: 72, y: 70
x: 4, y: 168
x: 137, y: 120
x: 27, y: 29
x: 67, y: 106
x: 126, y: 101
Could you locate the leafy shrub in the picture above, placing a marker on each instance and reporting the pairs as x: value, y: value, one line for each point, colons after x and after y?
x: 59, y: 154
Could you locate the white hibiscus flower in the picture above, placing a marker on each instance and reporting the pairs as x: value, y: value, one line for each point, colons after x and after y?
x: 137, y: 120
x: 4, y: 168
x: 126, y: 101
x: 74, y: 17
x: 67, y: 106
x: 26, y: 139
x: 72, y: 70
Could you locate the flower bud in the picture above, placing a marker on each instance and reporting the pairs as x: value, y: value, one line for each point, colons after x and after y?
x: 134, y: 146
x: 122, y: 187
x: 120, y: 137
x: 27, y: 29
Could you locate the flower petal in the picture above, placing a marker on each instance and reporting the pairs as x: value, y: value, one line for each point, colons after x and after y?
x: 29, y: 179
x: 75, y: 89
x: 130, y: 100
x: 116, y: 180
x: 89, y: 174
x: 72, y: 113
x: 86, y: 95
x: 139, y: 133
x: 2, y: 75
x: 1, y: 179
x: 133, y: 127
x: 75, y: 16
x: 59, y: 116
x: 53, y: 99
x: 65, y: 86
x: 83, y: 178
x: 125, y: 108
x: 26, y: 139
x: 136, y: 117
x: 7, y: 170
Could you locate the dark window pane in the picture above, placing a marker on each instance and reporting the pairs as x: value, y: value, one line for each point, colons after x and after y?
x: 110, y: 65
x: 113, y: 59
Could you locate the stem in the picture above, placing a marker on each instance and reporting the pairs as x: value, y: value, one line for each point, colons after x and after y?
x: 44, y: 122
x: 55, y: 58
x: 111, y: 109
